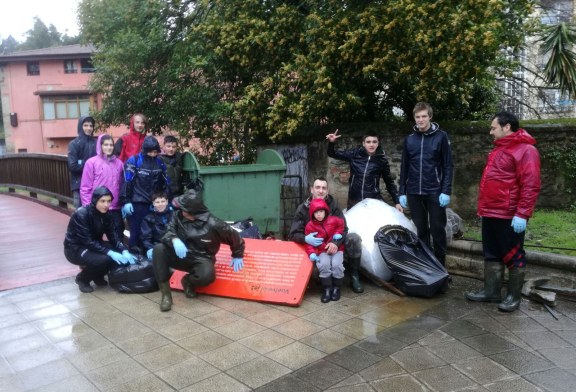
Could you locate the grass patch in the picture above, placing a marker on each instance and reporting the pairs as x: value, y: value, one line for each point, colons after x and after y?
x: 552, y: 231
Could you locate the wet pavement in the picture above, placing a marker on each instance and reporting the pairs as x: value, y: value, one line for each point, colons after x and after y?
x: 54, y: 338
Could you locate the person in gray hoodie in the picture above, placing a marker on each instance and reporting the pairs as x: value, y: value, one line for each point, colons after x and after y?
x: 80, y: 150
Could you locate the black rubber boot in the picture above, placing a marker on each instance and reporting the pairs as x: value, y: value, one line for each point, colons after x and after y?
x: 326, y: 290
x: 166, y: 302
x: 84, y: 286
x: 100, y: 282
x: 355, y: 283
x: 493, y: 272
x: 514, y: 297
x: 336, y: 285
x: 188, y: 288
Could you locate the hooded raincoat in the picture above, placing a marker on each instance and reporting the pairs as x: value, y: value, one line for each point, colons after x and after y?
x: 80, y: 150
x: 326, y: 229
x: 203, y: 235
x: 102, y: 170
x: 510, y: 182
x: 130, y: 143
x: 87, y: 226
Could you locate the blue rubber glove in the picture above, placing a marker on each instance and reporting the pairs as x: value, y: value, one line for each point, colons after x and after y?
x: 117, y: 257
x: 79, y: 161
x: 237, y: 263
x: 149, y: 253
x: 314, y: 257
x: 337, y: 237
x: 519, y: 224
x: 128, y: 209
x: 129, y: 257
x: 444, y: 200
x: 404, y: 201
x: 179, y: 248
x: 312, y: 240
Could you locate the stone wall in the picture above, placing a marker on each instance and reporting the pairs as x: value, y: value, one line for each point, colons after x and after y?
x: 470, y: 142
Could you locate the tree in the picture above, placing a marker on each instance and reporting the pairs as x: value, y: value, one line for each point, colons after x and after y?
x: 560, y: 70
x: 8, y: 45
x: 41, y: 36
x: 238, y: 70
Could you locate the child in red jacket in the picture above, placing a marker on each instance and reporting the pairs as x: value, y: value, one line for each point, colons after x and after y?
x: 330, y: 266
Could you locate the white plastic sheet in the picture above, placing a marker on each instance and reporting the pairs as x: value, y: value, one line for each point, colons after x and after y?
x: 365, y: 219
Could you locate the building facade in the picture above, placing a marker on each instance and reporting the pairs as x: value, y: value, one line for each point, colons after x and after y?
x: 43, y: 92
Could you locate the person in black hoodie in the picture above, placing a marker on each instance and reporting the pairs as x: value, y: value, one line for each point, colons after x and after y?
x: 144, y: 174
x: 367, y: 164
x: 80, y: 150
x: 426, y: 178
x: 84, y: 246
x: 190, y: 244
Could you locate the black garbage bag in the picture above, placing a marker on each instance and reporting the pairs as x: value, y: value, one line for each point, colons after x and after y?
x: 415, y: 269
x: 247, y: 228
x: 133, y: 278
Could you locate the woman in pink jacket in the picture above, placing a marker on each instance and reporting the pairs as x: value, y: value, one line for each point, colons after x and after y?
x: 104, y: 170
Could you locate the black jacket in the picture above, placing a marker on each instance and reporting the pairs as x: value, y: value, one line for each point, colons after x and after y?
x: 174, y: 171
x: 205, y: 233
x: 426, y: 166
x: 87, y: 226
x: 81, y: 149
x: 154, y: 227
x: 144, y: 175
x: 365, y: 173
x: 302, y: 217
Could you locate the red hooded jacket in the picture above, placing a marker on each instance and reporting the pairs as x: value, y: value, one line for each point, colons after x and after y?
x: 326, y: 229
x: 511, y: 180
x: 130, y: 143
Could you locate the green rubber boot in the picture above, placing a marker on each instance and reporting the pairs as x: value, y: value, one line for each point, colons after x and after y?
x: 166, y: 302
x: 493, y: 272
x: 514, y: 297
x: 355, y: 283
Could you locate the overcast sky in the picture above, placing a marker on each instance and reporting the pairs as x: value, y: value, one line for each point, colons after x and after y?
x: 17, y: 16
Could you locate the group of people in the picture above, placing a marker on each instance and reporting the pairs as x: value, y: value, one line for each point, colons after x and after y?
x: 130, y: 179
x: 188, y: 239
x: 508, y: 193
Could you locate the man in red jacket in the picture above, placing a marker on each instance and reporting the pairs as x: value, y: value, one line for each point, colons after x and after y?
x: 508, y: 192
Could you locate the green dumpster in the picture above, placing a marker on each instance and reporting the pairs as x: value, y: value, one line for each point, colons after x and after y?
x: 236, y: 192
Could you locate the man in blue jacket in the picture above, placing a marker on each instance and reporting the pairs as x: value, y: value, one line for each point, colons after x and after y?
x: 426, y: 178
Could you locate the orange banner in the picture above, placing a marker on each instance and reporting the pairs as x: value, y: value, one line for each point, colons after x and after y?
x: 274, y: 271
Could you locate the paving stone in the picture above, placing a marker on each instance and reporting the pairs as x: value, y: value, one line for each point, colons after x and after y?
x: 489, y: 344
x: 562, y: 357
x: 512, y: 385
x: 522, y: 362
x: 453, y: 352
x: 417, y: 359
x: 444, y: 379
x: 288, y: 383
x: 385, y: 368
x: 462, y: 329
x: 322, y: 374
x: 402, y: 383
x: 554, y: 380
x: 381, y: 345
x: 353, y: 358
x: 483, y: 370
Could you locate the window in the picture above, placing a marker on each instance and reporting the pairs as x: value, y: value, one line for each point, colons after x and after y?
x: 86, y: 66
x: 33, y: 68
x: 66, y: 106
x: 70, y: 67
x: 551, y: 100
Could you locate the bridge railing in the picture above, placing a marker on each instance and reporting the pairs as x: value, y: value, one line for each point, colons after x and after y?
x: 36, y: 174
